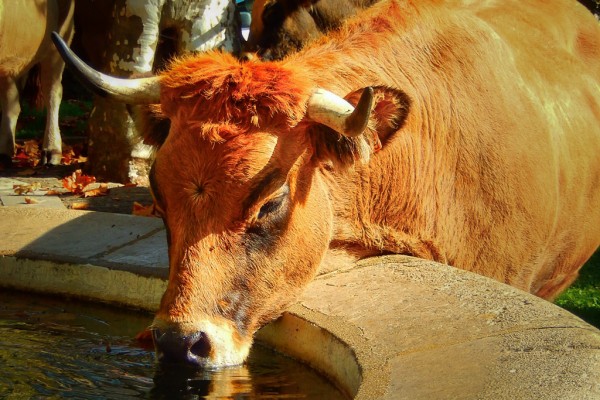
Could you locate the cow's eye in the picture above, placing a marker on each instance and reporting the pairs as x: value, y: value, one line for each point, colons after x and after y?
x: 270, y: 207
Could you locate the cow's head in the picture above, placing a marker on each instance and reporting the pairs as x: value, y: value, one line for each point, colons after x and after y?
x: 236, y: 180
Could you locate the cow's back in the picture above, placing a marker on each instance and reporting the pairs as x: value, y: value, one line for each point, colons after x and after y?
x: 558, y: 146
x: 496, y: 165
x: 577, y: 146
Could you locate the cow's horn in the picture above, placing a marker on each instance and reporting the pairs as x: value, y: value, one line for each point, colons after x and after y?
x: 130, y: 91
x: 341, y: 116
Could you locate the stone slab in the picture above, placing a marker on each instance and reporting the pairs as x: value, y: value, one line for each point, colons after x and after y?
x: 83, y: 281
x: 7, y: 184
x: 149, y: 252
x: 69, y: 235
x: 35, y: 201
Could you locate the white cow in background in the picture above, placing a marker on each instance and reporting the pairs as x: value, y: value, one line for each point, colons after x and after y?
x: 142, y: 37
x: 198, y: 25
x: 25, y: 28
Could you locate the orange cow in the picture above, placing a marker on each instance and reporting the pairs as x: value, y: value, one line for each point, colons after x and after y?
x: 469, y: 133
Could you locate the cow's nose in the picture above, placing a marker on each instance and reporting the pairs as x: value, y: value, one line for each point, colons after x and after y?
x: 173, y: 346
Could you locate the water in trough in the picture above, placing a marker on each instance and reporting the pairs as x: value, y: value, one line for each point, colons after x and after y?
x: 52, y: 348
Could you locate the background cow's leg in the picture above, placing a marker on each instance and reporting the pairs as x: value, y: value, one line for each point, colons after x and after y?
x: 11, y: 108
x: 52, y: 69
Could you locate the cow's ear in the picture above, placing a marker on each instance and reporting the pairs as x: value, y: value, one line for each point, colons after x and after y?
x: 151, y: 123
x: 389, y: 113
x: 390, y: 109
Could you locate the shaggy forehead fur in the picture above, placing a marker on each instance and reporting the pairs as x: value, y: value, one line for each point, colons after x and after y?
x: 214, y: 89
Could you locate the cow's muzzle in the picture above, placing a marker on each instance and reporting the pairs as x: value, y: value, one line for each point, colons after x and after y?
x: 174, y: 347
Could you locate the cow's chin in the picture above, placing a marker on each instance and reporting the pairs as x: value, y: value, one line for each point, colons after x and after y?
x: 207, y: 344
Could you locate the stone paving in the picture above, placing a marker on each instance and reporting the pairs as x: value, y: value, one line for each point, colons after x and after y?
x: 8, y: 197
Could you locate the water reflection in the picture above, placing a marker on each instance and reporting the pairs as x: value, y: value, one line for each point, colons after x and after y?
x: 265, y: 376
x: 69, y: 350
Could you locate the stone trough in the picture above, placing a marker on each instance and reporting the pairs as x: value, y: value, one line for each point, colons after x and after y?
x: 393, y: 327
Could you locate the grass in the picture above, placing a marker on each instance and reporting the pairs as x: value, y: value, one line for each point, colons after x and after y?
x: 583, y: 297
x: 73, y: 116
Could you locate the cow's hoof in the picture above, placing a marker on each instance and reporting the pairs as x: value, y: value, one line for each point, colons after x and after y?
x: 5, y: 161
x: 51, y: 158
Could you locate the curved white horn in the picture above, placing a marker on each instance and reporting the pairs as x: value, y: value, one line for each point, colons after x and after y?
x: 130, y: 91
x: 335, y: 112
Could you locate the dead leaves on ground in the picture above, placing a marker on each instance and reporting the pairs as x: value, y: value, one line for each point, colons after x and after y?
x: 72, y: 155
x: 28, y: 154
x: 83, y: 186
x: 77, y: 183
x: 79, y: 205
x: 80, y: 184
x: 27, y: 188
x: 27, y: 159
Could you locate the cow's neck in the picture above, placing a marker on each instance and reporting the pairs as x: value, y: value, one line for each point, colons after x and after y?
x: 375, y: 208
x: 380, y: 208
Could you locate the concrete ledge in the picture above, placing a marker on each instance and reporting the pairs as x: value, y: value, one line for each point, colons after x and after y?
x: 391, y: 328
x: 84, y: 281
x: 115, y: 241
x: 422, y: 330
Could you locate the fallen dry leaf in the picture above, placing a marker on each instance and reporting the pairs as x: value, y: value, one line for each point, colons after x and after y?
x: 31, y: 148
x: 24, y: 189
x: 101, y: 190
x: 31, y: 200
x: 27, y: 154
x: 143, y: 211
x: 72, y: 155
x: 52, y: 192
x: 77, y: 181
x: 80, y: 205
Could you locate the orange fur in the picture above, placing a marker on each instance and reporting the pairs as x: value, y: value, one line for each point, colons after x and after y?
x: 251, y: 95
x: 488, y: 159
